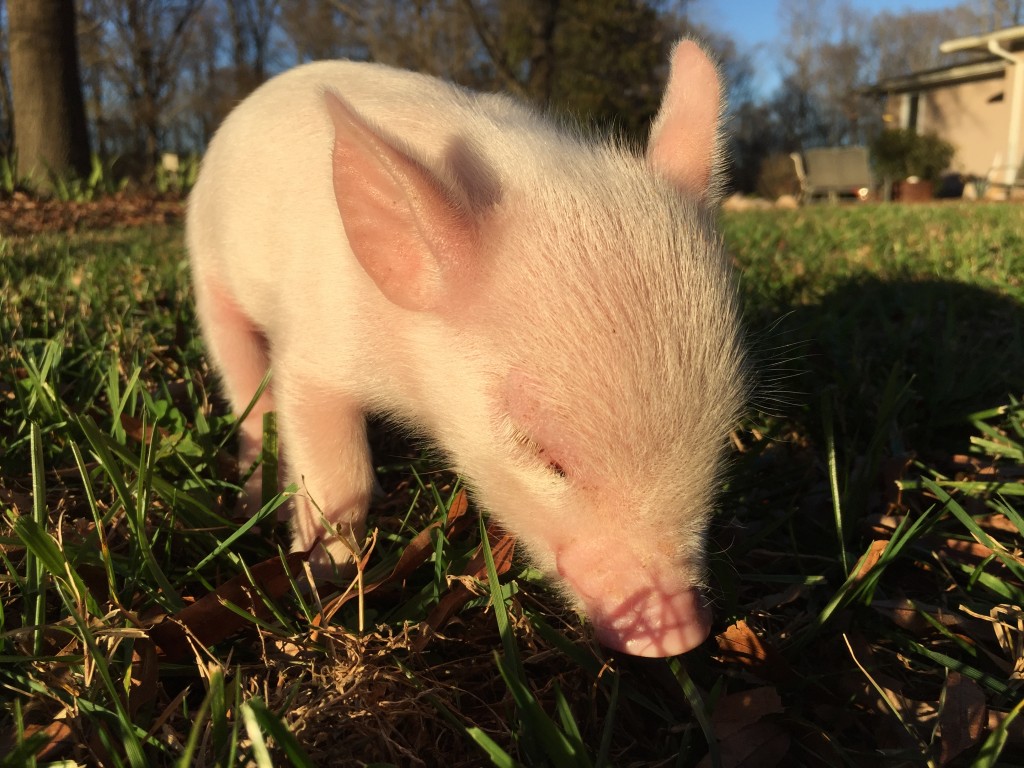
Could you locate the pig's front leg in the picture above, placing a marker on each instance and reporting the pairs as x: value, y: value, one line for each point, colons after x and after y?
x: 323, y: 435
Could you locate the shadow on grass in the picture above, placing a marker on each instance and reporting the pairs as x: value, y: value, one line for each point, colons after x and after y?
x: 921, y: 355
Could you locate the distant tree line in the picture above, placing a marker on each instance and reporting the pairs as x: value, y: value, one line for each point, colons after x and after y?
x: 151, y: 76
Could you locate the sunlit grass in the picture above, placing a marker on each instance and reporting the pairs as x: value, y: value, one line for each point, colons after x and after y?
x: 866, y: 554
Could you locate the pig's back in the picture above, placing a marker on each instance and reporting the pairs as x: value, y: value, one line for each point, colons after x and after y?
x: 263, y: 219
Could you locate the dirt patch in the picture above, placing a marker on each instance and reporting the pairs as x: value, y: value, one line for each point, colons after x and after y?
x: 23, y: 214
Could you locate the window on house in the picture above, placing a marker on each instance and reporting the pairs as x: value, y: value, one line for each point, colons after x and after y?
x: 911, y: 104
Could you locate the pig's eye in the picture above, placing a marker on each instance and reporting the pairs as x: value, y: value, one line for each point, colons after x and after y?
x: 530, y: 446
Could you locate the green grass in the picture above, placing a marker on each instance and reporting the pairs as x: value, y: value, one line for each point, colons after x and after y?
x: 929, y: 296
x: 867, y: 550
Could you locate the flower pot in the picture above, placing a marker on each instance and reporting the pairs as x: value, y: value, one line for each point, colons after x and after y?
x: 912, y: 190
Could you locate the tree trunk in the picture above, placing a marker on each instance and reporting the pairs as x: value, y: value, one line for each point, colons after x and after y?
x: 6, y: 116
x: 238, y: 48
x: 543, y: 24
x: 50, y: 132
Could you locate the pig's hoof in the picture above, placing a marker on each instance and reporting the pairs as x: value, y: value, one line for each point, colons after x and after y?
x: 330, y: 560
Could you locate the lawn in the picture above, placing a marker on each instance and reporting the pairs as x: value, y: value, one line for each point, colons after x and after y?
x: 867, y: 548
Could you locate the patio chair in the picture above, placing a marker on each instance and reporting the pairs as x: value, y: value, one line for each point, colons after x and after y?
x: 833, y: 172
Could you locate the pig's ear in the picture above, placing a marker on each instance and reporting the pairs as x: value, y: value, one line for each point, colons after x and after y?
x: 407, y: 230
x: 684, y: 147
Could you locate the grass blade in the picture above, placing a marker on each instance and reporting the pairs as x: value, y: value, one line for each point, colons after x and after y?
x: 259, y: 720
x: 992, y: 748
x: 35, y: 584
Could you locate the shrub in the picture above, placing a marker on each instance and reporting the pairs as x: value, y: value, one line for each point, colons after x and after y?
x: 777, y: 177
x: 899, y: 153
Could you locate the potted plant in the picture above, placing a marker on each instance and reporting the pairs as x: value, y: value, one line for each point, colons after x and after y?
x: 913, y: 162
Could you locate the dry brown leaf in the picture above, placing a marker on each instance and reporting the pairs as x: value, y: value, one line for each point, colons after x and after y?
x: 419, y: 550
x: 950, y: 548
x: 457, y: 510
x: 771, y: 602
x: 502, y: 550
x: 882, y: 525
x: 761, y: 745
x: 60, y: 739
x: 971, y: 552
x: 899, y: 721
x: 209, y: 620
x: 145, y: 676
x: 1008, y: 625
x: 871, y: 557
x: 20, y: 501
x: 908, y: 615
x: 416, y: 552
x: 740, y: 645
x: 137, y: 431
x: 1014, y: 732
x: 998, y: 522
x: 965, y: 462
x: 963, y: 717
x: 1004, y: 623
x: 739, y: 710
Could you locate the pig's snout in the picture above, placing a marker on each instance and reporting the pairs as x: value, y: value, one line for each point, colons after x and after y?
x: 634, y: 606
x: 652, y: 623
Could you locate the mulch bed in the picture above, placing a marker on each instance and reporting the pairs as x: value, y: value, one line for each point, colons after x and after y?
x: 23, y: 214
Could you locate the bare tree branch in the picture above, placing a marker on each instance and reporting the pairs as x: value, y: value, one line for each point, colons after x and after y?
x: 497, y: 55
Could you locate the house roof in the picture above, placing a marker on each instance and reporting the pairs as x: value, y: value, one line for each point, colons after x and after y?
x: 992, y: 41
x: 983, y: 69
x: 995, y: 47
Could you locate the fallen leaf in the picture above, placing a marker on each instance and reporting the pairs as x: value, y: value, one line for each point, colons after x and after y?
x: 871, y: 557
x: 998, y: 522
x: 740, y: 645
x: 791, y: 594
x: 736, y: 711
x: 60, y: 739
x: 900, y: 721
x: 950, y: 548
x: 209, y: 620
x: 416, y: 552
x: 457, y: 510
x: 963, y: 717
x: 911, y: 615
x: 1015, y: 731
x: 761, y: 745
x: 502, y: 550
x: 145, y: 676
x: 137, y: 431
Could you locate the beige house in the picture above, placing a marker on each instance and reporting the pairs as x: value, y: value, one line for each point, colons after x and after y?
x: 976, y: 106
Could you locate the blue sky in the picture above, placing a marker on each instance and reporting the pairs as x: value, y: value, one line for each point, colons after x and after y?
x: 754, y: 24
